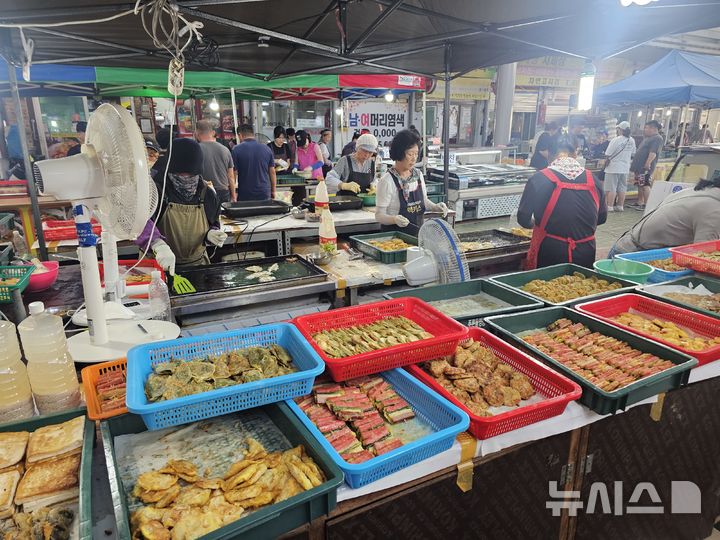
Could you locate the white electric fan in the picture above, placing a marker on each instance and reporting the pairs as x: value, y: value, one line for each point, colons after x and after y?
x: 109, y: 179
x: 438, y: 257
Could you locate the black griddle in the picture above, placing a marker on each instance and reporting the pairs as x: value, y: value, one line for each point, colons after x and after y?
x: 504, y: 242
x: 245, y: 209
x: 337, y: 203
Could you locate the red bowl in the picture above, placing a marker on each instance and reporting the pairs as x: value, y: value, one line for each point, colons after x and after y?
x: 45, y: 280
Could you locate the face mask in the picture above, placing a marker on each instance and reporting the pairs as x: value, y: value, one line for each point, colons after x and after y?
x: 186, y: 186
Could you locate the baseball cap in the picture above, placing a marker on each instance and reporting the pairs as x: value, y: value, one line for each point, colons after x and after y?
x: 152, y: 145
x: 623, y: 125
x: 368, y: 142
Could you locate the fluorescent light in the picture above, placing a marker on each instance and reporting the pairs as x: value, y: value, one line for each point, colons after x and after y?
x: 265, y: 104
x: 389, y: 97
x: 639, y: 114
x: 53, y: 123
x: 214, y: 105
x: 339, y: 111
x: 628, y: 3
x: 668, y: 112
x: 587, y: 86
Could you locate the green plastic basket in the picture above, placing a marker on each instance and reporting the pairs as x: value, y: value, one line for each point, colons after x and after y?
x: 517, y: 301
x: 265, y: 524
x: 437, y: 198
x: 20, y: 272
x: 434, y: 188
x: 593, y: 397
x: 361, y: 242
x: 290, y: 179
x: 85, y: 498
x: 713, y: 285
x: 516, y: 280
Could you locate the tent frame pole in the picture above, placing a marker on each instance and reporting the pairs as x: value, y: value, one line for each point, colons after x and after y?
x: 29, y: 177
x: 446, y: 121
x: 684, y: 120
x: 235, y: 122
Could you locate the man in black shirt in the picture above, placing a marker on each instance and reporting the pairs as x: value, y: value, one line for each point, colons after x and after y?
x: 546, y: 147
x: 645, y: 160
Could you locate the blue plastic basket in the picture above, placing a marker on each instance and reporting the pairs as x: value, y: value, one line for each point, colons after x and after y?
x: 658, y: 276
x: 446, y: 420
x: 174, y: 412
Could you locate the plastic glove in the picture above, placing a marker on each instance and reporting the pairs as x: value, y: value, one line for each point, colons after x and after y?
x: 164, y: 256
x: 349, y: 186
x: 308, y: 168
x: 442, y: 207
x: 282, y: 164
x: 216, y: 237
x: 401, y: 221
x: 295, y: 169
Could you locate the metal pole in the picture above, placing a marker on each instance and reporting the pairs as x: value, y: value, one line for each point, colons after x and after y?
x: 423, y: 131
x: 683, y: 115
x: 235, y: 123
x: 446, y: 121
x: 32, y: 189
x: 40, y: 125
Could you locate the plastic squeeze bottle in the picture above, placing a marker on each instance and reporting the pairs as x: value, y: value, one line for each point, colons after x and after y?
x: 16, y: 401
x: 322, y: 200
x: 159, y: 298
x: 328, y: 236
x: 50, y: 368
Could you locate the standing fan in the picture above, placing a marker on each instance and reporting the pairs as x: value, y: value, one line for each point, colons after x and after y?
x: 438, y: 258
x: 109, y: 179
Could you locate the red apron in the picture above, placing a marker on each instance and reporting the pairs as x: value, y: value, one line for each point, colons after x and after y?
x: 540, y: 231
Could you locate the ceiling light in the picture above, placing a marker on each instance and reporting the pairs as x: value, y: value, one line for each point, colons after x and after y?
x: 587, y: 86
x: 214, y: 106
x: 668, y: 112
x: 639, y: 114
x: 339, y: 111
x: 628, y: 3
x: 389, y: 97
x: 265, y: 104
x: 263, y: 41
x: 217, y: 114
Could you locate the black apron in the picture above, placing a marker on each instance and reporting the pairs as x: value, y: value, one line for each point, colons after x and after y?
x: 413, y: 208
x: 363, y: 179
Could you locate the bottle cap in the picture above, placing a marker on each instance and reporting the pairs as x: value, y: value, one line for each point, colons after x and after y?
x: 36, y: 307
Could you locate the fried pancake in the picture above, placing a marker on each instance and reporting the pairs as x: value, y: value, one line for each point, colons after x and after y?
x: 8, y: 484
x: 47, y: 478
x: 12, y: 448
x: 53, y: 441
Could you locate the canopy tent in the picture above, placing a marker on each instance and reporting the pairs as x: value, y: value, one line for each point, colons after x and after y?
x: 349, y: 36
x: 678, y: 78
x: 59, y: 79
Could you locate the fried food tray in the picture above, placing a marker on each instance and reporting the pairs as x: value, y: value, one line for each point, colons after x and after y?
x: 231, y: 277
x: 518, y: 301
x: 557, y: 391
x: 600, y: 401
x: 85, y: 481
x: 446, y: 331
x: 264, y: 524
x: 445, y: 419
x: 516, y: 280
x: 219, y: 401
x: 687, y: 256
x: 658, y: 275
x: 362, y: 243
x: 712, y: 285
x: 701, y: 325
x: 503, y: 242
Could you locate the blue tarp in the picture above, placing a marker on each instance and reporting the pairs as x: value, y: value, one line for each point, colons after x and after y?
x: 51, y: 80
x: 676, y: 79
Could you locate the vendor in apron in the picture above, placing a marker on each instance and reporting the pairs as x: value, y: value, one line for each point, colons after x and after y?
x: 188, y: 214
x: 355, y: 172
x: 401, y: 195
x: 563, y: 204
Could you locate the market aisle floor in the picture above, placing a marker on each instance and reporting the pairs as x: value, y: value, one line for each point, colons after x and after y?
x: 617, y: 223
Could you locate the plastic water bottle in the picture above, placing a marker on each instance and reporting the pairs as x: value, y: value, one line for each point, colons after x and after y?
x: 16, y: 401
x: 159, y: 298
x: 50, y: 368
x: 20, y: 245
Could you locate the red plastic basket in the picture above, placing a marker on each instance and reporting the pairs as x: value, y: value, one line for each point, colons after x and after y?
x: 686, y: 256
x: 558, y: 390
x: 446, y: 331
x: 700, y: 324
x: 55, y: 229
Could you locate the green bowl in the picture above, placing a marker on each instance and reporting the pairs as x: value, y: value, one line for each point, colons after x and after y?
x: 368, y: 200
x: 620, y: 268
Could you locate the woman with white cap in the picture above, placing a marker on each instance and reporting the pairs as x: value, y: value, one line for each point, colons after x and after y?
x: 401, y: 194
x: 617, y: 167
x: 355, y: 172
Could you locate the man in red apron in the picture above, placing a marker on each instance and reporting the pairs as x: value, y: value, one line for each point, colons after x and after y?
x: 563, y: 204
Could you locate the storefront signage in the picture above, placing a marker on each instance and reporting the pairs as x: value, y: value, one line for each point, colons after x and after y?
x: 383, y: 119
x: 564, y: 72
x: 474, y: 86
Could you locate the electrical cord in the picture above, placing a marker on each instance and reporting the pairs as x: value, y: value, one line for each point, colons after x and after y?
x: 249, y: 240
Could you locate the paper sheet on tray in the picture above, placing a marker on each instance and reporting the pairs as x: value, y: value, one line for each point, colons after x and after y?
x: 665, y: 289
x: 213, y: 445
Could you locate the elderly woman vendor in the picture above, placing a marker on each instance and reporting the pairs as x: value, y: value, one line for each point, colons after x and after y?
x: 401, y: 194
x: 355, y: 172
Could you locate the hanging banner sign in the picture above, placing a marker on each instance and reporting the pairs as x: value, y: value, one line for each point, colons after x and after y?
x: 383, y: 119
x: 474, y: 86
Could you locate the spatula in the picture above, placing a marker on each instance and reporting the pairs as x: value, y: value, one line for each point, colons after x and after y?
x: 182, y: 285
